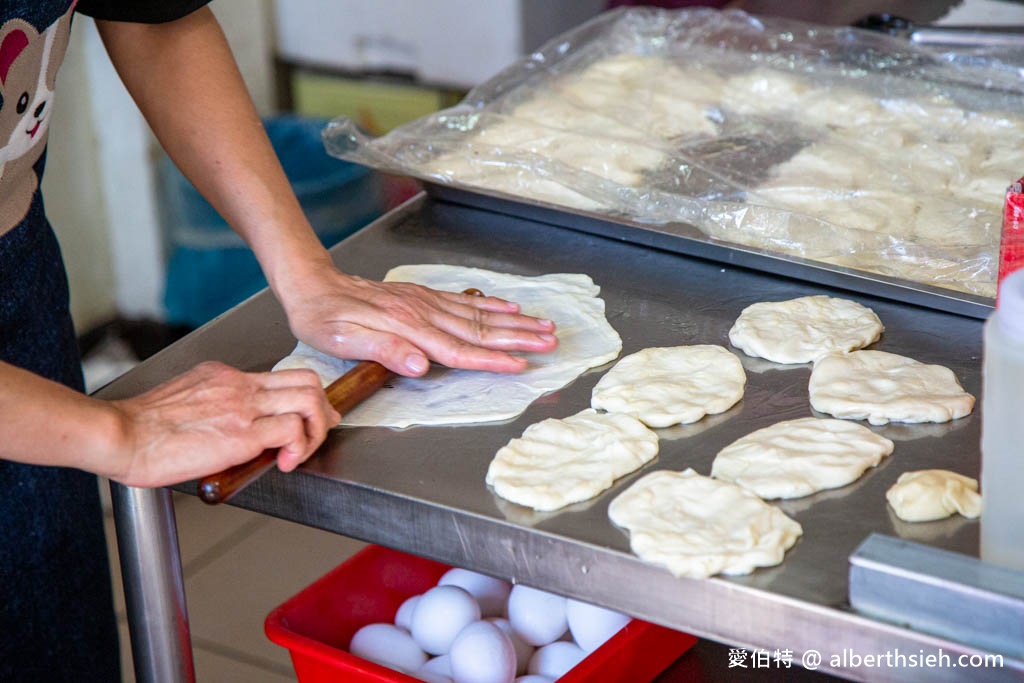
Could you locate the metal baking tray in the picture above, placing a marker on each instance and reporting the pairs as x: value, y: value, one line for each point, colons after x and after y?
x: 422, y: 489
x: 684, y: 238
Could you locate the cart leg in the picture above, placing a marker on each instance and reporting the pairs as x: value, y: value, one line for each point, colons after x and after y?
x: 147, y: 541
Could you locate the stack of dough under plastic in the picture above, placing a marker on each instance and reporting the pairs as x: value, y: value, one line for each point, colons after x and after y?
x: 925, y: 172
x: 608, y: 121
x: 910, y: 187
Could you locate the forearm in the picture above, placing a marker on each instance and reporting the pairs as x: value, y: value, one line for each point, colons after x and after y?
x: 185, y: 81
x: 45, y: 423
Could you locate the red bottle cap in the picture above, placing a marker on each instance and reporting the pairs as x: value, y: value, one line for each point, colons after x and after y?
x: 1011, y: 246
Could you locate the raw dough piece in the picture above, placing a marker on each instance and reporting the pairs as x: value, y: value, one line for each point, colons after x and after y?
x: 799, y: 457
x: 447, y: 396
x: 927, y: 495
x: 881, y: 387
x: 664, y: 386
x: 801, y: 330
x: 697, y: 526
x: 558, y: 462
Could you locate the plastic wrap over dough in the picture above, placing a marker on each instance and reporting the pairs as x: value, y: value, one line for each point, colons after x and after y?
x: 696, y: 526
x: 558, y: 462
x: 449, y: 396
x: 828, y: 143
x: 927, y: 495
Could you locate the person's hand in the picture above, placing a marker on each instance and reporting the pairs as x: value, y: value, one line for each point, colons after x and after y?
x: 403, y: 326
x: 213, y: 417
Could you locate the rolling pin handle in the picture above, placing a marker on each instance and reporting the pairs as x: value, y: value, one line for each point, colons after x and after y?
x: 222, y: 486
x: 344, y: 393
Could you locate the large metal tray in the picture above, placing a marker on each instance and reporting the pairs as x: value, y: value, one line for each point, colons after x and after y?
x: 422, y: 489
x: 684, y: 238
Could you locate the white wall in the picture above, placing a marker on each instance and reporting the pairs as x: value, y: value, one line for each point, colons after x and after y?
x: 249, y: 27
x: 100, y: 187
x: 74, y: 200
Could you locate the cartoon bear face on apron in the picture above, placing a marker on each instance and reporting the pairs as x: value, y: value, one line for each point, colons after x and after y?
x: 29, y: 61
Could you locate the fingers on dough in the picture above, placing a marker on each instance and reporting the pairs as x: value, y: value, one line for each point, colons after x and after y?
x: 446, y: 396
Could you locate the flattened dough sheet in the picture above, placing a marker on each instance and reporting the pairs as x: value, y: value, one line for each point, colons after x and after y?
x: 557, y: 462
x: 697, y: 526
x: 445, y: 396
x: 880, y: 387
x: 804, y: 329
x: 665, y: 386
x: 796, y: 458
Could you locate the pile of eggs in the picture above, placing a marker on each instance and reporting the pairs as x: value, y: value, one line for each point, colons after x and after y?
x: 472, y: 628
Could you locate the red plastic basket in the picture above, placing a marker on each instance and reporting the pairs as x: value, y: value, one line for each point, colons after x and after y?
x: 317, y: 624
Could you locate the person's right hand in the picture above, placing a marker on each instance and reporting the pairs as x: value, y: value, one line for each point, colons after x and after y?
x: 213, y: 417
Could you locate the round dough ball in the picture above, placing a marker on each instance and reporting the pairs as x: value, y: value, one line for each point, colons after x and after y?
x: 927, y: 495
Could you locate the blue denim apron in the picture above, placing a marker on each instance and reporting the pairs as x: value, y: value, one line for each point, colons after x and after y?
x: 57, y: 619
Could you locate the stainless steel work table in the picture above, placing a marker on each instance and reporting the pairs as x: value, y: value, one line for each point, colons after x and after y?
x: 422, y: 490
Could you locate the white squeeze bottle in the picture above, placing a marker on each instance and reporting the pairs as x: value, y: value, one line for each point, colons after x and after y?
x: 1002, y: 428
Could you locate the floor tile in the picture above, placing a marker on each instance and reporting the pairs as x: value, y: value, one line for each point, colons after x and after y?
x: 218, y: 667
x: 229, y: 598
x: 206, y: 532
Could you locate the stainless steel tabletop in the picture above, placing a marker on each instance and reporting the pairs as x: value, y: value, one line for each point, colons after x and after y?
x: 422, y: 489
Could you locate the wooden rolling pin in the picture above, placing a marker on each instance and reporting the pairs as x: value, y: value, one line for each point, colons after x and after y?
x: 344, y: 393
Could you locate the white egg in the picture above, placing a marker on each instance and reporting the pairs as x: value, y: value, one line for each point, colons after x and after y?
x: 536, y: 615
x: 439, y: 615
x: 403, y: 617
x: 441, y: 664
x: 555, y: 660
x: 483, y: 653
x: 591, y: 626
x: 534, y: 678
x: 388, y: 645
x: 432, y: 677
x: 522, y: 648
x: 491, y: 593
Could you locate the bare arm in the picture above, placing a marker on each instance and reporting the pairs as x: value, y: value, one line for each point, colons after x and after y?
x: 47, y: 423
x: 184, y: 79
x: 201, y: 422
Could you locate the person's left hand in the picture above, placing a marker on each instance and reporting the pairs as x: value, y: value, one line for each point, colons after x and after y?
x: 403, y: 326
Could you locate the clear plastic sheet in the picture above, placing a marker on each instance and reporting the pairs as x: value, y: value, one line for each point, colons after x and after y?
x: 838, y: 145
